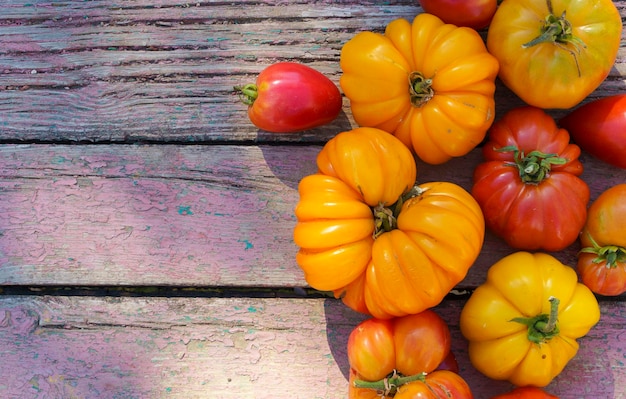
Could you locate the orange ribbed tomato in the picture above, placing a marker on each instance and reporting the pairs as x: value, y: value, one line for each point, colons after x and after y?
x: 386, y: 247
x: 431, y: 84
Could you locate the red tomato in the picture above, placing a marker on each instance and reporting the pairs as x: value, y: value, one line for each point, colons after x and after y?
x: 528, y: 187
x: 599, y: 127
x: 526, y: 393
x: 410, y: 345
x: 475, y: 14
x: 440, y: 384
x: 291, y: 97
x: 602, y: 259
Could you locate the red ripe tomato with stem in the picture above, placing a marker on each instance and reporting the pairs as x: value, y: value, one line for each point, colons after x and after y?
x: 529, y: 187
x: 602, y: 259
x: 404, y: 357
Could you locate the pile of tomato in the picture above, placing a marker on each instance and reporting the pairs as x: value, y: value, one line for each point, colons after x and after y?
x: 393, y: 249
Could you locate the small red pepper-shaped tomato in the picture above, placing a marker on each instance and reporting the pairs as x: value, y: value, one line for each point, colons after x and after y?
x: 599, y: 127
x: 290, y: 97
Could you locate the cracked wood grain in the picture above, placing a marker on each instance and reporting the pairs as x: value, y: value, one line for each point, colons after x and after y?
x: 231, y: 348
x: 218, y: 215
x: 90, y: 71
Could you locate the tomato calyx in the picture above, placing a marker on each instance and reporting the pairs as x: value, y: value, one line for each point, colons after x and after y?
x: 248, y: 93
x: 558, y: 30
x: 389, y: 385
x: 386, y: 217
x: 420, y: 89
x: 543, y: 327
x: 611, y: 254
x: 533, y: 167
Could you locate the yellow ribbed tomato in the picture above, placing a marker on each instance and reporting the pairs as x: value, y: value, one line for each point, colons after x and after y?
x: 386, y: 247
x: 431, y: 84
x: 554, y: 53
x: 523, y: 322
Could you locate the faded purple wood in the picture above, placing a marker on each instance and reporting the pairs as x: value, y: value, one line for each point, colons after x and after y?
x: 164, y: 71
x: 160, y: 215
x: 233, y: 348
x: 175, y: 213
x: 179, y: 215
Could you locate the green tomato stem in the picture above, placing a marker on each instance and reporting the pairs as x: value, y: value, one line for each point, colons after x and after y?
x: 558, y: 31
x: 247, y: 93
x: 535, y: 166
x: 420, y: 89
x: 386, y: 218
x: 389, y: 385
x: 611, y: 254
x: 543, y: 327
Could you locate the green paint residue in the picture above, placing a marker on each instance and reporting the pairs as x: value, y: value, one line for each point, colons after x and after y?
x: 184, y: 210
x: 58, y: 159
x: 216, y: 213
x: 248, y: 244
x: 34, y: 383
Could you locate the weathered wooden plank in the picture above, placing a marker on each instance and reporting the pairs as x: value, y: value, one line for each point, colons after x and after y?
x: 92, y: 71
x: 218, y: 215
x: 214, y: 215
x: 77, y: 347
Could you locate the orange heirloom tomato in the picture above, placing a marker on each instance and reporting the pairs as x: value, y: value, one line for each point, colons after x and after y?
x: 602, y: 260
x: 358, y: 170
x: 523, y: 322
x: 409, y: 345
x: 553, y: 53
x: 440, y: 384
x: 386, y: 247
x: 431, y: 84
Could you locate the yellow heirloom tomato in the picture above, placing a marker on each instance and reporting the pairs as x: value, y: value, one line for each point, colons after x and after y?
x: 554, y: 53
x: 523, y: 322
x: 367, y: 233
x: 429, y: 83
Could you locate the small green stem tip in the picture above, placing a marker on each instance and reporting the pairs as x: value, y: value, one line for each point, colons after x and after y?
x: 611, y: 254
x: 543, y: 327
x: 533, y: 167
x: 247, y: 93
x: 390, y: 384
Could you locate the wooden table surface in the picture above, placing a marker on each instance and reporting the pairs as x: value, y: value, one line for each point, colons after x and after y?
x: 146, y: 226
